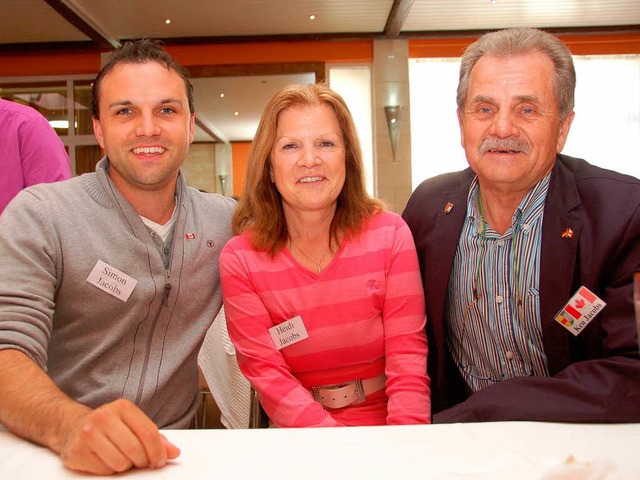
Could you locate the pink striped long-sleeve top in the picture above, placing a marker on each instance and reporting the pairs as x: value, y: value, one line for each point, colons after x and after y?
x: 364, y: 314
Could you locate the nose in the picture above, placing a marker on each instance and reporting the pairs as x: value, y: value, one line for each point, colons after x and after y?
x: 503, y: 125
x: 310, y: 157
x: 147, y: 125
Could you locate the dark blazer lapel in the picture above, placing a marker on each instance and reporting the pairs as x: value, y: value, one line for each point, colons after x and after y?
x: 446, y: 388
x: 558, y: 260
x: 446, y: 235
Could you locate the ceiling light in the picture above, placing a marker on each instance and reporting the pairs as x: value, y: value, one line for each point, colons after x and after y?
x: 167, y: 21
x: 236, y: 113
x: 312, y: 17
x: 222, y: 95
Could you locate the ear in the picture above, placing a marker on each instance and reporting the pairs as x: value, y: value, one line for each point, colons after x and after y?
x: 461, y: 125
x: 97, y: 131
x: 565, y: 125
x: 192, y: 127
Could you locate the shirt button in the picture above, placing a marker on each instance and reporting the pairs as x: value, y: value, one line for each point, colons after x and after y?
x: 166, y: 251
x: 525, y: 227
x: 501, y: 243
x: 509, y: 355
x: 499, y: 298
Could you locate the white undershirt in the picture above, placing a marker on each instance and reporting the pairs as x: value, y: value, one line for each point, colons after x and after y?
x: 162, y: 230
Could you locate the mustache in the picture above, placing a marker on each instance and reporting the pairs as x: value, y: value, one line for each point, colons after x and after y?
x: 504, y: 144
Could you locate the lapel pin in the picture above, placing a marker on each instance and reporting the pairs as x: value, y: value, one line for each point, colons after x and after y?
x: 568, y: 233
x: 448, y: 207
x: 190, y: 236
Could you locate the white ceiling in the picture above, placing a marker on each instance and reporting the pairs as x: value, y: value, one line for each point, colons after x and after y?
x: 26, y: 25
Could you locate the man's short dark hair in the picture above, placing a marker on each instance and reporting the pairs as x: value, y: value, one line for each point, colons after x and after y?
x: 139, y: 51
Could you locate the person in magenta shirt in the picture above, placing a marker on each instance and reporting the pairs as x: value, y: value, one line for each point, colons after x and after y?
x: 321, y: 285
x: 30, y: 151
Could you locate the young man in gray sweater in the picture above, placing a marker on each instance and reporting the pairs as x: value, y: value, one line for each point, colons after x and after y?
x: 110, y: 280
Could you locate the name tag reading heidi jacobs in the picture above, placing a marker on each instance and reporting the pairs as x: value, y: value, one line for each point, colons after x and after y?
x: 580, y: 310
x: 289, y: 332
x: 112, y: 280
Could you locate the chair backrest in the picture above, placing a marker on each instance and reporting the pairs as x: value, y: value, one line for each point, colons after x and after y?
x: 230, y: 389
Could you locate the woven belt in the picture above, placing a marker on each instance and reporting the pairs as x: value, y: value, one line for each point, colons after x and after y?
x: 339, y: 395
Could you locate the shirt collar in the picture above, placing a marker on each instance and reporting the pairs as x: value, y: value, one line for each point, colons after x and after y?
x: 526, y: 209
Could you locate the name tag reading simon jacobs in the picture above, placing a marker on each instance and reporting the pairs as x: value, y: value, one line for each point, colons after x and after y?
x: 112, y: 280
x: 289, y: 332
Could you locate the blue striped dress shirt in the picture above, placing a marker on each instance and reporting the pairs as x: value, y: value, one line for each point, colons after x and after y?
x: 493, y: 306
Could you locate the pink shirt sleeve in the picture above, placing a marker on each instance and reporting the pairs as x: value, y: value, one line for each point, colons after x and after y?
x: 404, y: 336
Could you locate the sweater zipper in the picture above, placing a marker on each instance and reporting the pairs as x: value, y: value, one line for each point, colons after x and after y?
x: 165, y: 303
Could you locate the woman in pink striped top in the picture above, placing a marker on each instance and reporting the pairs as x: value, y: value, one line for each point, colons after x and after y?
x: 322, y: 288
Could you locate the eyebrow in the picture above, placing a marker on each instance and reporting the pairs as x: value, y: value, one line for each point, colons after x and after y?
x: 482, y: 99
x: 126, y: 103
x: 520, y: 98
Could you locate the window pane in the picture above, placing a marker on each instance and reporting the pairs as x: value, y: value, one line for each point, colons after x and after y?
x: 353, y: 83
x: 50, y: 99
x: 606, y: 128
x: 435, y: 137
x: 82, y: 107
x: 86, y: 158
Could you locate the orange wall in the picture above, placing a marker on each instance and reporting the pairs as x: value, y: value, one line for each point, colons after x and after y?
x: 22, y: 65
x: 70, y: 63
x: 239, y: 157
x: 196, y: 55
x: 578, y: 44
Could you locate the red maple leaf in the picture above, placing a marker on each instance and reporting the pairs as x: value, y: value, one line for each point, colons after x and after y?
x: 579, y: 303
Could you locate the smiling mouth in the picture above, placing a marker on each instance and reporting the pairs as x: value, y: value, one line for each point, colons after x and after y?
x: 311, y: 179
x: 148, y: 150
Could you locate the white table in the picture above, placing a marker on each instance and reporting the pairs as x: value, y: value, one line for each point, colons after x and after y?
x: 504, y: 450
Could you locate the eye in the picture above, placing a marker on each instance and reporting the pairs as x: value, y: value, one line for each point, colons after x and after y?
x: 288, y: 146
x: 326, y: 144
x: 528, y: 110
x: 124, y: 111
x: 167, y: 110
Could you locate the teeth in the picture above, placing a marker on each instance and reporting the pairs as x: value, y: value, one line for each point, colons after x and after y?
x: 140, y: 150
x: 310, y: 179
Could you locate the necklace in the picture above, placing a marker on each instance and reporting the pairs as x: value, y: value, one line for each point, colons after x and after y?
x: 318, y: 263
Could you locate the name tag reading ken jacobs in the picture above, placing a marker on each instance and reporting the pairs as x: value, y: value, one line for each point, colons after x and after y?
x: 580, y: 310
x: 112, y: 280
x: 289, y: 332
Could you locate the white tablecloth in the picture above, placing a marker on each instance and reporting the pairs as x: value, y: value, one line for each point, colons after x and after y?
x: 503, y: 450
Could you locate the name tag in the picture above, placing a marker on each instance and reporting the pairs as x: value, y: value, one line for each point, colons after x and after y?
x: 289, y: 332
x: 580, y: 310
x: 112, y: 280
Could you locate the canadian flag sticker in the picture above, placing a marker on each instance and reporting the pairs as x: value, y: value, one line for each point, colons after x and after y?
x: 581, y: 308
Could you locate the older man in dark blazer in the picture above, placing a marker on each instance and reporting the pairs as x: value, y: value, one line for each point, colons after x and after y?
x: 527, y: 256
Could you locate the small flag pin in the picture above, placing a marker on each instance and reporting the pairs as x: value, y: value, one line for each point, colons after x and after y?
x: 568, y: 233
x: 448, y: 207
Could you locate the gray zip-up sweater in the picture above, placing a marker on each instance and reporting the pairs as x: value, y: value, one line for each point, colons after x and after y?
x: 95, y: 346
